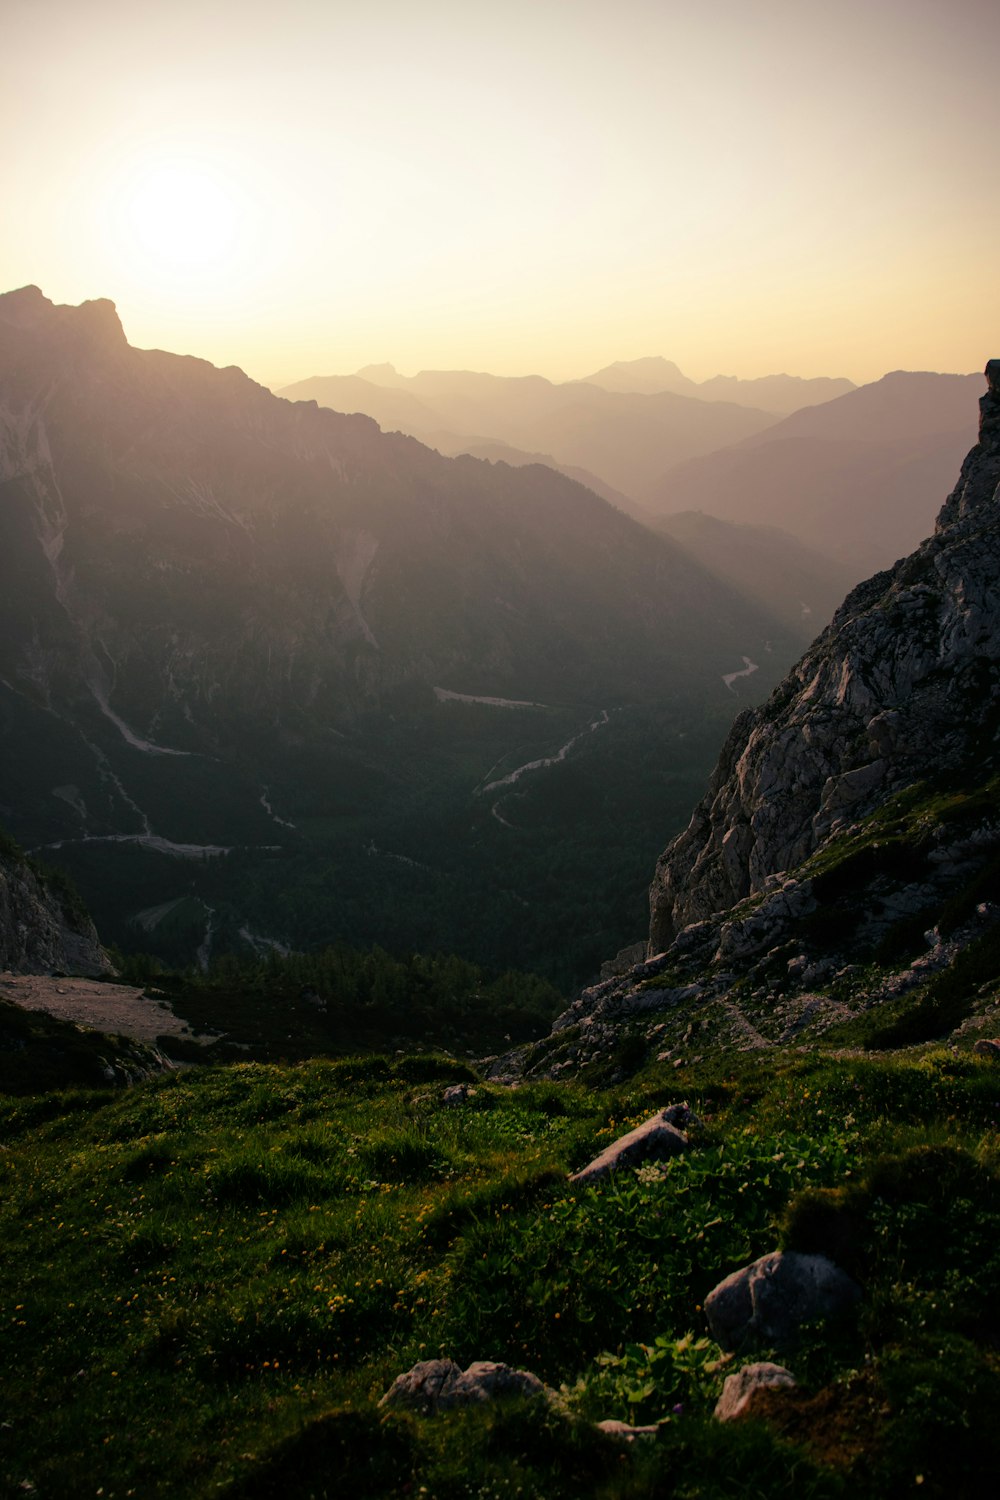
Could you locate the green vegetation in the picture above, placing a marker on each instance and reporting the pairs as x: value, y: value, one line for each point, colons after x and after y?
x: 393, y: 845
x: 210, y: 1280
x: 339, y: 1000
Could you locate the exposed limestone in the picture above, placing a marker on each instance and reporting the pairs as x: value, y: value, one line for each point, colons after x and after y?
x: 904, y: 677
x: 655, y: 1139
x: 40, y: 931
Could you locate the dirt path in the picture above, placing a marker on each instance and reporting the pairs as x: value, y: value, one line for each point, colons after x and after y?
x: 117, y: 1008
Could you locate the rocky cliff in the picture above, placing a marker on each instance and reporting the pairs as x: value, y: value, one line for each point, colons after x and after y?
x: 904, y: 682
x: 841, y: 874
x: 41, y: 926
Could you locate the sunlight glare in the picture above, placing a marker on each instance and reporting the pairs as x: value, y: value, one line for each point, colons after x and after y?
x: 184, y: 216
x: 185, y: 224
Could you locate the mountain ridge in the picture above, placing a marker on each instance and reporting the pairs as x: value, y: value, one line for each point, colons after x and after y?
x: 239, y: 630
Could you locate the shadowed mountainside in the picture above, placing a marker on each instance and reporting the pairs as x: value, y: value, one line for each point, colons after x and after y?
x: 264, y: 666
x: 859, y: 478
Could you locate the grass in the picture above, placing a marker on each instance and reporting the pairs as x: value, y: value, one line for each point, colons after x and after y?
x: 210, y: 1279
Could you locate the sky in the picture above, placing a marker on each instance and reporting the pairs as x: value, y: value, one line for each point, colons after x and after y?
x: 520, y: 186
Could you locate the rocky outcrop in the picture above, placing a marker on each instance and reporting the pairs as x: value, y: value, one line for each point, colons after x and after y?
x: 905, y: 678
x: 42, y: 929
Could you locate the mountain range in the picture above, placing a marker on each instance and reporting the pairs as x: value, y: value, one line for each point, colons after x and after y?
x: 780, y: 394
x: 628, y: 440
x: 854, y: 474
x: 269, y: 675
x: 858, y: 479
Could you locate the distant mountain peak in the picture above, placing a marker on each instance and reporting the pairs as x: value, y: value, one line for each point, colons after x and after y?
x: 29, y: 308
x: 384, y: 374
x: 646, y: 376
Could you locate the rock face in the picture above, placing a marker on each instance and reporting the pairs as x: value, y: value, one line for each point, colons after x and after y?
x: 769, y: 1301
x: 41, y: 930
x: 905, y: 678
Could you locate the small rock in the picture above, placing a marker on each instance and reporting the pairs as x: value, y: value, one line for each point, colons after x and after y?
x: 654, y: 1140
x: 988, y: 1047
x: 767, y: 1302
x: 740, y: 1387
x: 458, y: 1093
x: 439, y: 1384
x: 625, y: 1431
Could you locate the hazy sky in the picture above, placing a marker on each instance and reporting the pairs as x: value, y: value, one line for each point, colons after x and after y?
x: 515, y: 185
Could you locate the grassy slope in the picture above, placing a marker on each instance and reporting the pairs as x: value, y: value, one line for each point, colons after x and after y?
x: 210, y: 1279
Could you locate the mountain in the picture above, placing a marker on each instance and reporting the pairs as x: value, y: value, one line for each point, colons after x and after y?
x: 503, y: 453
x: 269, y: 676
x: 838, y: 880
x: 858, y: 478
x: 627, y: 440
x: 799, y: 586
x: 900, y: 689
x: 780, y: 394
x: 646, y: 377
x: 42, y: 923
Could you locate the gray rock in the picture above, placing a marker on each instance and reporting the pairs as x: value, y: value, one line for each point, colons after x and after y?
x: 625, y: 1431
x: 740, y: 1387
x: 457, y: 1093
x: 37, y: 932
x: 440, y: 1384
x: 654, y: 1140
x: 769, y: 1301
x: 988, y: 1047
x: 422, y: 1387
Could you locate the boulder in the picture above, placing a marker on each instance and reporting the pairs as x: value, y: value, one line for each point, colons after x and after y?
x: 457, y: 1093
x: 740, y: 1387
x: 769, y: 1301
x: 988, y: 1047
x: 440, y: 1384
x: 654, y: 1140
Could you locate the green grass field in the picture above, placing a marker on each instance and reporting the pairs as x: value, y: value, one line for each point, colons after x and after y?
x: 210, y: 1279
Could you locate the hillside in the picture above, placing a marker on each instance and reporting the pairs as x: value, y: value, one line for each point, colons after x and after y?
x: 800, y: 586
x: 859, y: 478
x: 269, y: 676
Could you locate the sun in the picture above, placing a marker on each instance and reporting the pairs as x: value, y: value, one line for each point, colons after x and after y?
x: 184, y: 215
x: 183, y: 223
